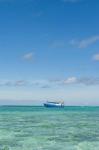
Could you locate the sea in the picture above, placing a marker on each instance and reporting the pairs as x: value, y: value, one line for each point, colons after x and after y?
x: 40, y: 128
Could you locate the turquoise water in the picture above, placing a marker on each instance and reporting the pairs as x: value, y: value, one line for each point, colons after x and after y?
x: 39, y: 128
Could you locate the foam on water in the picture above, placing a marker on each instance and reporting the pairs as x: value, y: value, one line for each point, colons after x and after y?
x: 39, y: 128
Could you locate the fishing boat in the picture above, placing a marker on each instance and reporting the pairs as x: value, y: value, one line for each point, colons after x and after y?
x: 54, y: 104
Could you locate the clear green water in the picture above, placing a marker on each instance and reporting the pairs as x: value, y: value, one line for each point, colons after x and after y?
x: 39, y: 128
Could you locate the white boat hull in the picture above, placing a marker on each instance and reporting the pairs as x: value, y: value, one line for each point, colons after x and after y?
x: 53, y: 105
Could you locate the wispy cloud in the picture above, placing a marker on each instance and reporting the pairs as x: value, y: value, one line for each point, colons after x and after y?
x: 83, y: 80
x: 96, y: 57
x: 88, y: 81
x: 41, y: 83
x: 10, y: 83
x: 5, y: 83
x: 28, y: 56
x: 20, y: 83
x: 70, y: 80
x: 85, y: 42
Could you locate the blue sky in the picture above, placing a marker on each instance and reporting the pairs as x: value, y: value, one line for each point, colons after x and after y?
x: 49, y: 50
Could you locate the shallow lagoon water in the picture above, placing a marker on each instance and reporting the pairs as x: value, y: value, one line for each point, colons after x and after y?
x: 39, y: 128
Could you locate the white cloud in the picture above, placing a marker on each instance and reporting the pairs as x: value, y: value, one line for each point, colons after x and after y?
x: 28, y: 56
x: 85, y: 42
x: 88, y: 81
x: 96, y: 57
x: 70, y: 80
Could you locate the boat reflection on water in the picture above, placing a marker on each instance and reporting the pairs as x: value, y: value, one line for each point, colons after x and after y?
x: 54, y: 104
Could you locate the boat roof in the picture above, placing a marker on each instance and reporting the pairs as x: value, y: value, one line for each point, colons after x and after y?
x: 55, y: 102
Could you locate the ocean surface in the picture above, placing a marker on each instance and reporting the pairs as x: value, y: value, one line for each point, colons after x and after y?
x: 39, y: 128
